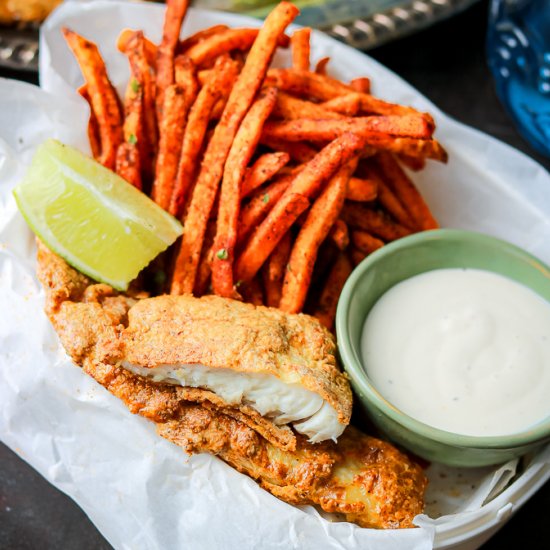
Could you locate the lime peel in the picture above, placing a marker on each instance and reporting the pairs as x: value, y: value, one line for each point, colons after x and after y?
x: 91, y: 217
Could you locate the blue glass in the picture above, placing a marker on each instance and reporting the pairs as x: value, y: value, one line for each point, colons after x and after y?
x: 518, y: 48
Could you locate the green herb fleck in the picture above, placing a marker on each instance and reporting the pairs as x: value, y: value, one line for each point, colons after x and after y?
x: 265, y: 198
x: 238, y: 283
x: 222, y: 254
x: 132, y: 139
x: 135, y: 86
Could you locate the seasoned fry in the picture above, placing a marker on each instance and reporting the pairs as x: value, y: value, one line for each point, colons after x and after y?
x: 348, y: 104
x: 199, y: 36
x: 305, y: 184
x: 361, y: 84
x: 391, y: 203
x: 300, y: 152
x: 339, y: 234
x: 207, y: 50
x: 273, y: 271
x: 417, y: 148
x: 268, y: 234
x: 177, y: 101
x: 245, y: 143
x: 265, y: 167
x: 326, y: 307
x: 315, y: 129
x: 173, y: 18
x: 324, y: 88
x: 324, y: 212
x: 365, y: 242
x: 240, y: 99
x: 142, y: 79
x: 151, y: 50
x: 299, y: 42
x: 357, y: 256
x: 406, y: 192
x: 103, y: 97
x: 220, y: 80
x: 127, y: 164
x: 362, y: 189
x: 93, y: 128
x: 290, y: 108
x: 259, y: 205
x: 205, y: 264
x: 413, y: 163
x: 321, y: 65
x: 358, y: 216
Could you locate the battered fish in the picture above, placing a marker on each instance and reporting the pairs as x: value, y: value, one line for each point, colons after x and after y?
x: 365, y: 479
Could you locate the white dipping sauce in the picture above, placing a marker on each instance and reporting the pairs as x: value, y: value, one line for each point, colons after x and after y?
x: 463, y: 350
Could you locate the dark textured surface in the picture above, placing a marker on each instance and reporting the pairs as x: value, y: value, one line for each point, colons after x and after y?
x: 447, y: 64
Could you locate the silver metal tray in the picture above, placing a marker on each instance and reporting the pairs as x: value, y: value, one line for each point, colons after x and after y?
x: 391, y: 19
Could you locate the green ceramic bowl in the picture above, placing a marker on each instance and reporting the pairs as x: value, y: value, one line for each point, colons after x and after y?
x: 401, y: 260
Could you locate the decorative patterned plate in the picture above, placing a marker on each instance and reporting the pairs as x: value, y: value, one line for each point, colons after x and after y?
x: 361, y: 24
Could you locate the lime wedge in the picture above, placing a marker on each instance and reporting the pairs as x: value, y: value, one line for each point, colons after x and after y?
x: 96, y: 221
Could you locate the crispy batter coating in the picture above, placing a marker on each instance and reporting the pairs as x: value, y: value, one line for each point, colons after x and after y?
x: 367, y: 480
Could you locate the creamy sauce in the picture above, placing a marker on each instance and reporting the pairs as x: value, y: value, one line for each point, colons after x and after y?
x: 272, y: 398
x: 463, y: 350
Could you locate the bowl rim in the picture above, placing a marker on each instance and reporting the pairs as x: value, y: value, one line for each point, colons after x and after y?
x: 354, y: 368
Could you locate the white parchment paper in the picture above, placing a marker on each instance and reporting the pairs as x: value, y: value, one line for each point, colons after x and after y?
x: 139, y: 490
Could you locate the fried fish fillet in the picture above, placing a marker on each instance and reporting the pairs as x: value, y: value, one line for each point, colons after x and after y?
x: 366, y: 479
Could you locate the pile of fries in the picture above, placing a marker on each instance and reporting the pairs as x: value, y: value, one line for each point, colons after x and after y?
x: 284, y: 178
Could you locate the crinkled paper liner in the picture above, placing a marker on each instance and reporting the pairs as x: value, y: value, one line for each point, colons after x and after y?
x: 138, y: 489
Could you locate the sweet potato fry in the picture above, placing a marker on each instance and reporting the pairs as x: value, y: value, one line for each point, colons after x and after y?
x: 151, y: 50
x: 177, y: 101
x: 315, y: 129
x: 219, y: 83
x: 339, y: 234
x: 199, y: 36
x: 103, y: 97
x: 348, y: 104
x: 324, y: 88
x: 321, y: 217
x: 362, y: 189
x: 300, y: 44
x: 406, y: 192
x: 268, y: 234
x: 328, y: 300
x: 290, y: 108
x: 127, y: 164
x: 361, y: 84
x: 413, y: 163
x: 306, y: 184
x: 273, y: 271
x: 142, y: 80
x: 357, y: 256
x: 393, y: 206
x: 418, y: 148
x: 240, y: 99
x: 205, y: 264
x: 365, y: 242
x: 173, y: 18
x: 321, y: 65
x: 203, y: 53
x: 358, y: 216
x: 242, y: 149
x: 259, y: 205
x: 300, y: 152
x: 263, y: 169
x: 93, y: 128
x: 337, y: 153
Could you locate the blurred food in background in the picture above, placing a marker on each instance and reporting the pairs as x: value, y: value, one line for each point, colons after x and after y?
x: 25, y: 11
